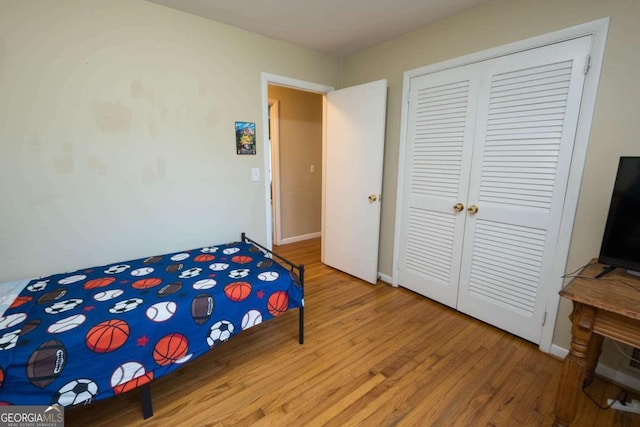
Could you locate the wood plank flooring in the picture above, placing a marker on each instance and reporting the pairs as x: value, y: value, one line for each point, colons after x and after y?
x: 374, y: 355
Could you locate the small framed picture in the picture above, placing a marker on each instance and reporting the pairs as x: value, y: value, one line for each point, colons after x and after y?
x: 245, y: 138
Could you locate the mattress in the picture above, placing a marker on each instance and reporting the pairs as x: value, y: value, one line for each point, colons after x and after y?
x: 96, y: 332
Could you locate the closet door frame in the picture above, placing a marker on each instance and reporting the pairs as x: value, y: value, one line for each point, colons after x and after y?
x: 598, y: 30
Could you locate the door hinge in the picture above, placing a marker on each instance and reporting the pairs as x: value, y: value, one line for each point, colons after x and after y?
x: 544, y: 318
x: 587, y: 64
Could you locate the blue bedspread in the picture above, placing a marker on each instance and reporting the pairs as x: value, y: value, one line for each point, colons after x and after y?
x: 77, y: 337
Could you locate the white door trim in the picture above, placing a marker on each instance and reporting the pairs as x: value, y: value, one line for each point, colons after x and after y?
x: 598, y: 30
x: 274, y: 123
x: 267, y: 79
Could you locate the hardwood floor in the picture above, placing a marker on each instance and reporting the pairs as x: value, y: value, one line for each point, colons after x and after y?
x: 373, y: 355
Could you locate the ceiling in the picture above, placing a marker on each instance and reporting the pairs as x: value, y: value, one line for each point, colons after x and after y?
x: 337, y: 27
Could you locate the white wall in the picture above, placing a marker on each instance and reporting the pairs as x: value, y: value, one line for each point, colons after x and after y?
x: 117, y: 131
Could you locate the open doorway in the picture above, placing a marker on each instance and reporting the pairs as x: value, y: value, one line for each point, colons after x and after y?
x: 295, y: 128
x: 272, y: 120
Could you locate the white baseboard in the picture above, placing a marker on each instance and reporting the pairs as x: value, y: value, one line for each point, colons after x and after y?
x: 300, y: 238
x: 558, y: 351
x: 618, y: 377
x: 385, y: 278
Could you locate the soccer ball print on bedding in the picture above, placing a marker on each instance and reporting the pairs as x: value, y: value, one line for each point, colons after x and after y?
x: 220, y: 331
x: 62, y: 306
x: 239, y: 273
x: 125, y: 305
x: 9, y: 340
x: 82, y: 390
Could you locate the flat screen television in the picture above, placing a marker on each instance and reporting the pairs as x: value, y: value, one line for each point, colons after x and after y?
x: 621, y: 239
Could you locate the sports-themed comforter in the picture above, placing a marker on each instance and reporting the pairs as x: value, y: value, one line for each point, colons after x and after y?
x: 77, y: 337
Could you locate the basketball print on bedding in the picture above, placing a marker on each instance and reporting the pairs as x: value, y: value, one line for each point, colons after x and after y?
x: 20, y: 301
x: 241, y: 259
x: 146, y: 283
x: 278, y: 303
x: 98, y: 283
x: 204, y: 258
x: 170, y: 348
x: 238, y: 291
x: 107, y: 336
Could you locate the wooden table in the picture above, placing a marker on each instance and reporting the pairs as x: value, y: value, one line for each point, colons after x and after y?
x: 605, y: 307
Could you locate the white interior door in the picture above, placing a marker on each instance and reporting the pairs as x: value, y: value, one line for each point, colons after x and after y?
x: 354, y: 150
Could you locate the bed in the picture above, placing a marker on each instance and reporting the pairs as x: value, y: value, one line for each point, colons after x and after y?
x: 77, y: 337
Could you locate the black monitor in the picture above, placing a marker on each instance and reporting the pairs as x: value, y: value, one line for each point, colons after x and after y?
x: 621, y: 239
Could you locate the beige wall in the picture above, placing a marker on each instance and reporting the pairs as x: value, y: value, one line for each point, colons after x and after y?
x: 117, y: 130
x: 116, y: 121
x: 300, y: 146
x: 615, y: 130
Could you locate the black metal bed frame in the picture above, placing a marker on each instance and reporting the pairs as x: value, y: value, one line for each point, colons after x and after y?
x: 145, y: 390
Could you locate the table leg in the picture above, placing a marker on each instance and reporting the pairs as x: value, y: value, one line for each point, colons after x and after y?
x: 593, y: 354
x: 575, y: 365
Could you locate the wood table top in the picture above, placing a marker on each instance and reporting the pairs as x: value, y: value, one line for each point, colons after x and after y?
x: 617, y: 291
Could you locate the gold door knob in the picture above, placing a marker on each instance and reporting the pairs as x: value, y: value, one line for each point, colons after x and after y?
x: 458, y: 207
x: 473, y: 209
x: 373, y: 198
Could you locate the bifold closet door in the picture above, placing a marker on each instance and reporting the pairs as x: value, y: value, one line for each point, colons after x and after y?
x: 523, y: 144
x: 494, y: 138
x: 442, y: 111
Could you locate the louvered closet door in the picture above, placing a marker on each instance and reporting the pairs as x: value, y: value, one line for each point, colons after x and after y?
x: 442, y: 107
x: 526, y: 125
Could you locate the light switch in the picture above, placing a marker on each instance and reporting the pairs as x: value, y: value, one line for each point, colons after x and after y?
x: 255, y: 174
x: 312, y: 168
